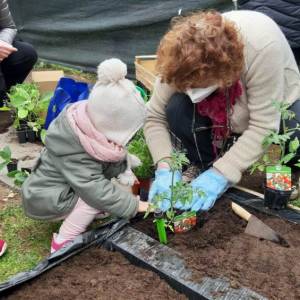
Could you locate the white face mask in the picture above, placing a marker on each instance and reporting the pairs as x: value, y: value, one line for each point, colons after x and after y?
x: 199, y: 94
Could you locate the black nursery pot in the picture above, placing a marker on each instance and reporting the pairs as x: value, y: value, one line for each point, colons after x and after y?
x: 26, y: 170
x: 31, y: 137
x: 21, y: 133
x: 276, y: 199
x: 12, y: 166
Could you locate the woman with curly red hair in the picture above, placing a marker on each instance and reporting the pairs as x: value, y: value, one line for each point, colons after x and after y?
x: 218, y: 76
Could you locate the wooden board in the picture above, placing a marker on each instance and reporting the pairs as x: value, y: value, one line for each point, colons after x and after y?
x: 145, y: 70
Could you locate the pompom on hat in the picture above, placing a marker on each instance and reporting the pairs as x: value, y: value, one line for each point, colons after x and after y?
x: 115, y: 107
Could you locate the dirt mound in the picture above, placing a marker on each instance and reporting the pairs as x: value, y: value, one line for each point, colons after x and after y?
x: 96, y: 274
x: 218, y: 247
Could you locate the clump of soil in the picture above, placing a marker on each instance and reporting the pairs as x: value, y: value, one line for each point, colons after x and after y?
x: 96, y: 274
x: 218, y: 247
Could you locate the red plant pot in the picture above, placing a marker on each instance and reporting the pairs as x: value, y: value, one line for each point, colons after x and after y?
x: 142, y: 188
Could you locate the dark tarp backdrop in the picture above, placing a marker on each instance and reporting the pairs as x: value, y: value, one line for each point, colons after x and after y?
x: 81, y: 33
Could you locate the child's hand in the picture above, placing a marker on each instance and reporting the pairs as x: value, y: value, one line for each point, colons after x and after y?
x: 143, y: 206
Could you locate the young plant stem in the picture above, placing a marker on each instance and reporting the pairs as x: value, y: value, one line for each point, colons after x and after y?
x: 282, y: 145
x: 172, y: 196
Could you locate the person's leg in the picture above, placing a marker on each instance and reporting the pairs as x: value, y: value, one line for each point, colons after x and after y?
x: 295, y: 107
x: 192, y: 129
x: 296, y: 52
x: 17, y: 66
x: 2, y: 87
x: 74, y: 224
x: 13, y: 70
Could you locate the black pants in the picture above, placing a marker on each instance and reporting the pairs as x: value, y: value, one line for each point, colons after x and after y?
x: 15, y: 68
x: 194, y: 131
x: 296, y: 52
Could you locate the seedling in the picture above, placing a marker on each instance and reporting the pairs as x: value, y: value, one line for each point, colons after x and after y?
x: 8, y: 161
x: 5, y: 155
x: 288, y: 147
x: 278, y: 175
x: 18, y: 176
x: 180, y: 192
x: 28, y: 105
x: 138, y: 147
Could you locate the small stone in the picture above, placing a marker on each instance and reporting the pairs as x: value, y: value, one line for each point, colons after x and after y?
x: 11, y: 195
x: 4, y: 199
x: 93, y: 282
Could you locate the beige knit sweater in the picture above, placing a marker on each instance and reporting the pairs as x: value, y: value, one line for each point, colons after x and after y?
x: 270, y: 73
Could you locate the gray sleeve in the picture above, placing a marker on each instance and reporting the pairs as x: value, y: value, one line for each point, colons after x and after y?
x: 87, y: 180
x: 8, y: 28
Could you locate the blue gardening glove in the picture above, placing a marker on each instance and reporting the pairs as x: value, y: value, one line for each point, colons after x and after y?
x: 161, y: 185
x: 213, y: 184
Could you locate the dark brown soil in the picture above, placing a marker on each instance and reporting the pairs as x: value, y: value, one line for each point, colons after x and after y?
x: 220, y: 248
x: 253, y: 182
x: 96, y: 274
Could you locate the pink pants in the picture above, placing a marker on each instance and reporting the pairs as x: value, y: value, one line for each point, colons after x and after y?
x: 78, y: 220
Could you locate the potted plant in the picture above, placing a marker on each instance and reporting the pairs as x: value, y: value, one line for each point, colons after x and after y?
x: 29, y: 110
x: 278, y: 183
x: 8, y: 161
x: 18, y: 176
x: 144, y: 173
x: 177, y: 221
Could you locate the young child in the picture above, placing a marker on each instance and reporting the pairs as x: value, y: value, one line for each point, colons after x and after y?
x: 84, y: 150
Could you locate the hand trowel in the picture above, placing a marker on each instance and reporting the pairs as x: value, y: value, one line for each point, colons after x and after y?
x: 256, y: 227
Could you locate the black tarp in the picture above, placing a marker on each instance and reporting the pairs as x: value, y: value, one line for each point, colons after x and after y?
x: 82, y: 33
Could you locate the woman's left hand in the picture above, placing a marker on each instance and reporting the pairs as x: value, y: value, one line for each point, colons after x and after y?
x: 207, y: 188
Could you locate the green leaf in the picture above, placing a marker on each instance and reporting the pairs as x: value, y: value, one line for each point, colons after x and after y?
x: 294, y: 145
x: 170, y: 214
x: 12, y: 174
x: 43, y: 135
x: 30, y: 106
x: 266, y: 158
x: 5, y: 154
x: 261, y: 168
x: 287, y: 158
x: 3, y: 165
x: 22, y: 113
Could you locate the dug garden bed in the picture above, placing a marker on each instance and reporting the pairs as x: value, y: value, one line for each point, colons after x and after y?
x: 96, y: 274
x: 218, y: 247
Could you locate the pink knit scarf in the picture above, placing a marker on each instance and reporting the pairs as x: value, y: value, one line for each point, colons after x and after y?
x: 215, y: 107
x: 93, y: 141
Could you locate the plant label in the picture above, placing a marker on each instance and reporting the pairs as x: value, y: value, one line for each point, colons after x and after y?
x: 279, y: 178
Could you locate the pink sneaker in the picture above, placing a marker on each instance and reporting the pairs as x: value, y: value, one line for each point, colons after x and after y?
x: 3, y: 247
x: 55, y: 246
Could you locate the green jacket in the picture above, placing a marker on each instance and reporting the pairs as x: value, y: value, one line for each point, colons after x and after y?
x: 65, y: 171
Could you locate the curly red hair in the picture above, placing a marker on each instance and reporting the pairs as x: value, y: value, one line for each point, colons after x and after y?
x: 201, y: 50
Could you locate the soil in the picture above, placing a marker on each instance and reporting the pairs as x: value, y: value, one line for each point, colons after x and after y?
x: 96, y: 274
x: 218, y: 247
x: 253, y: 182
x: 7, y: 195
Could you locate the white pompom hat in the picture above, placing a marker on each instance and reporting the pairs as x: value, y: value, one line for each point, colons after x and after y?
x: 115, y: 107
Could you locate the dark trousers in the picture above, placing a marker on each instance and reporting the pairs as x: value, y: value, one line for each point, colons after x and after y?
x: 195, y: 133
x: 15, y: 68
x: 296, y: 52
